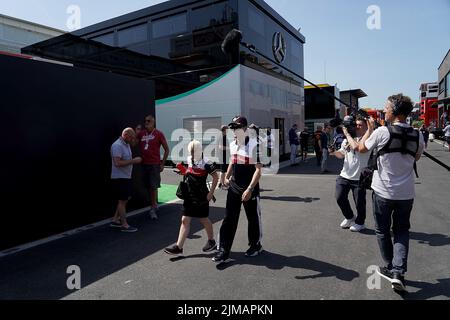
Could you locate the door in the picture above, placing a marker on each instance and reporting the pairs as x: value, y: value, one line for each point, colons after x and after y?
x: 279, y: 125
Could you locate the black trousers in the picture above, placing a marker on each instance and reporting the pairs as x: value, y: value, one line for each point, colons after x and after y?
x: 343, y: 188
x: 230, y: 223
x: 319, y: 156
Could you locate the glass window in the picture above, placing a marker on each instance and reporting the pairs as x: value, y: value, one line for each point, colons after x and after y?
x: 169, y: 26
x: 107, y: 39
x: 447, y: 86
x: 256, y: 21
x: 132, y: 35
x: 216, y: 14
x: 442, y: 86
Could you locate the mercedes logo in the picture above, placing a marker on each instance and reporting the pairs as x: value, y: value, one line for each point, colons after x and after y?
x: 279, y: 47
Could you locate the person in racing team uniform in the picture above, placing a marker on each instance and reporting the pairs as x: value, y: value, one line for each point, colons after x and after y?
x: 242, y: 178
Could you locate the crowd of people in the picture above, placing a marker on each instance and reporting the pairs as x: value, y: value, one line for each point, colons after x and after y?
x: 391, y: 151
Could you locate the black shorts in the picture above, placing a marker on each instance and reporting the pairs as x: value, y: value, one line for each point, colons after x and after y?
x: 196, y: 210
x: 448, y: 140
x: 152, y: 176
x: 122, y: 189
x: 304, y: 147
x: 224, y: 168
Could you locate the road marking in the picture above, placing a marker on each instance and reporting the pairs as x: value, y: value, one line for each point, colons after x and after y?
x: 73, y: 232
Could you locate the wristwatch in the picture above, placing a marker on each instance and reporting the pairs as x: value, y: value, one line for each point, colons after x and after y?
x: 250, y: 189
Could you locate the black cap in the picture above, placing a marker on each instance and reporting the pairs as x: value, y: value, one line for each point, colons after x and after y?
x: 239, y: 122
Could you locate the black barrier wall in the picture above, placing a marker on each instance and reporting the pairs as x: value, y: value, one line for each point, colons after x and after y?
x: 58, y: 124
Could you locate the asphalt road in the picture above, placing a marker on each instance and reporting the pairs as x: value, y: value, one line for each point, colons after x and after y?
x: 307, y: 255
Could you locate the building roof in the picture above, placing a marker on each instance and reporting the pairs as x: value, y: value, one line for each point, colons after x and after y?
x: 356, y: 92
x: 172, y: 7
x: 33, y: 24
x: 323, y: 85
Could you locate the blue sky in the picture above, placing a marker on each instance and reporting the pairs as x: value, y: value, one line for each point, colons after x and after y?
x: 406, y: 51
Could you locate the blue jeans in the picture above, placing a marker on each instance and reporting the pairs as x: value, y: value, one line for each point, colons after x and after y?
x: 294, y: 151
x: 395, y: 213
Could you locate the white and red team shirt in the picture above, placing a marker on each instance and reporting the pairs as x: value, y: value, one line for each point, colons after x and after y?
x: 244, y: 160
x: 150, y: 144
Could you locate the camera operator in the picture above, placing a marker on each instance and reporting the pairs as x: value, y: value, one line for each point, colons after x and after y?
x: 354, y: 162
x: 398, y: 148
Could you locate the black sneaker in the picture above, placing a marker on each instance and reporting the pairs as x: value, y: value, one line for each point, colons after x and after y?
x: 210, y: 246
x: 221, y: 257
x: 385, y: 273
x: 174, y: 251
x: 254, y: 251
x: 115, y: 225
x: 129, y: 229
x: 398, y: 282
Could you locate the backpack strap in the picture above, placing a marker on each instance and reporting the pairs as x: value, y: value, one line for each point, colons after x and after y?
x: 405, y: 138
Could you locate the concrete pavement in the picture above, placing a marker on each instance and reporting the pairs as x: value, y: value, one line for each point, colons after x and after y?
x: 307, y: 255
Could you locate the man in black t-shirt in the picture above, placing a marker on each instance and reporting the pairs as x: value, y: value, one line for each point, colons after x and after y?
x: 304, y: 143
x: 243, y: 175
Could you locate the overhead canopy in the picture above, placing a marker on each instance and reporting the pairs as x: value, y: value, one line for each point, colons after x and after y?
x: 358, y: 93
x: 88, y: 53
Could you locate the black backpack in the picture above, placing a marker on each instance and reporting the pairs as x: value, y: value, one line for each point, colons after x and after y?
x: 399, y: 133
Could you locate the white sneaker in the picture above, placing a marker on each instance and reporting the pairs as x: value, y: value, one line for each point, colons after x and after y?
x: 357, y: 228
x: 348, y: 223
x: 153, y: 214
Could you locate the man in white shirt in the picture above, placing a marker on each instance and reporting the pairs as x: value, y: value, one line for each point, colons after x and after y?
x: 354, y: 163
x: 447, y: 134
x: 398, y: 147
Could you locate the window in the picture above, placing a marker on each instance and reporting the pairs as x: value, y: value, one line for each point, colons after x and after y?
x: 169, y: 26
x: 107, y: 39
x: 256, y: 21
x: 212, y: 15
x: 447, y: 85
x: 442, y: 86
x: 136, y: 34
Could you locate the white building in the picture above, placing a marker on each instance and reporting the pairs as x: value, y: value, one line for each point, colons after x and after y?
x: 16, y: 34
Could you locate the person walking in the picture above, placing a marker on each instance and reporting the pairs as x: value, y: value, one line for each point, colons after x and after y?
x: 305, y: 136
x: 294, y: 142
x: 348, y: 180
x: 318, y: 145
x: 196, y: 203
x: 447, y: 134
x: 324, y: 139
x: 243, y: 175
x: 426, y: 135
x: 398, y: 148
x: 121, y: 173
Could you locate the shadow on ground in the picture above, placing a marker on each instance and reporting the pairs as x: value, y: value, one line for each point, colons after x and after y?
x: 433, y: 240
x: 334, y: 165
x: 427, y: 290
x: 290, y: 199
x: 274, y: 261
x: 41, y: 272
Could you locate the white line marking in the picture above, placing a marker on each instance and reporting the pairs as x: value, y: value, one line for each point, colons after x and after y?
x: 73, y: 232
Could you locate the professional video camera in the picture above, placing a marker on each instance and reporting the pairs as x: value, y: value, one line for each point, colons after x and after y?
x: 350, y: 121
